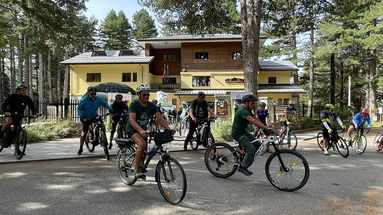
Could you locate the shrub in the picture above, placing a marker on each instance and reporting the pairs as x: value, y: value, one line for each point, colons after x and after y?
x: 47, y: 130
x: 307, y: 122
x: 222, y: 129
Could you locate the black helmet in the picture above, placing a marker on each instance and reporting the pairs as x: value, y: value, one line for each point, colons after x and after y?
x: 118, y: 96
x: 21, y: 86
x: 154, y: 101
x: 201, y: 95
x: 92, y: 90
x: 262, y: 104
x: 249, y: 97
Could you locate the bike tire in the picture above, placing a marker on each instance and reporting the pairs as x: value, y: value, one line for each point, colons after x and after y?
x: 376, y: 141
x: 125, y: 165
x: 2, y: 146
x: 274, y: 175
x: 320, y: 140
x: 89, y: 139
x: 342, y: 147
x: 22, y: 140
x: 104, y: 142
x: 166, y: 174
x: 292, y: 138
x: 213, y: 155
x: 210, y: 139
x: 363, y: 144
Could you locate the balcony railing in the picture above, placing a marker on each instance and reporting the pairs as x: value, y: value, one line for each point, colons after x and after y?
x: 165, y: 86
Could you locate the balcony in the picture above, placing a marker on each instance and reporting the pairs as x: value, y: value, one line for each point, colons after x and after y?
x: 165, y: 86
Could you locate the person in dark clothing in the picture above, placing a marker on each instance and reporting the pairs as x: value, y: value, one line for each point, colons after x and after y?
x: 14, y: 106
x: 199, y: 111
x: 119, y: 108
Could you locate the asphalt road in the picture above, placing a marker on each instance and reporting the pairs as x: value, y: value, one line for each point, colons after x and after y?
x: 92, y: 186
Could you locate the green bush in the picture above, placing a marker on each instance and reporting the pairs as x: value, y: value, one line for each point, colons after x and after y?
x: 307, y: 122
x: 47, y: 130
x: 222, y: 130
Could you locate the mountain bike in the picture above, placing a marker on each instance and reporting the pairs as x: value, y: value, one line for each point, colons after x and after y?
x: 377, y: 139
x: 289, y: 138
x: 169, y: 174
x: 335, y: 142
x: 360, y: 141
x: 16, y: 135
x: 202, y: 135
x: 96, y: 135
x: 285, y: 169
x: 121, y: 132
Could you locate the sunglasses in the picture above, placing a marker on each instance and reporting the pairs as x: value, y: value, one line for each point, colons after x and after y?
x: 92, y: 94
x: 145, y: 95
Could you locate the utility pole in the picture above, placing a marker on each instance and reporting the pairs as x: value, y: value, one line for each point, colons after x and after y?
x: 332, y: 83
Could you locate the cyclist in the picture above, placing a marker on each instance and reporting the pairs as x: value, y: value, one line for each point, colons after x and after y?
x: 87, y: 110
x: 119, y: 107
x: 290, y: 114
x: 263, y: 115
x: 140, y: 113
x: 13, y: 106
x: 242, y: 118
x: 359, y: 121
x: 183, y: 115
x: 380, y: 146
x: 199, y: 111
x: 328, y: 118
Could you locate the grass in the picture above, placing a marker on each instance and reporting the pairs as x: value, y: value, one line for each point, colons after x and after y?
x: 48, y: 130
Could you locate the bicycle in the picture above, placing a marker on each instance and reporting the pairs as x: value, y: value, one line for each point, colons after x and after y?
x: 265, y: 135
x: 168, y: 170
x: 282, y: 165
x: 121, y: 132
x: 377, y: 139
x: 360, y: 139
x: 202, y: 135
x: 340, y: 145
x: 291, y: 139
x: 96, y: 134
x: 16, y: 135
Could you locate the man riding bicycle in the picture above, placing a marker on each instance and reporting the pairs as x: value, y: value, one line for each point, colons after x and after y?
x: 263, y: 115
x: 13, y: 108
x: 140, y: 113
x: 87, y: 110
x: 359, y: 121
x: 328, y: 118
x: 289, y: 115
x: 239, y: 132
x: 199, y: 111
x: 119, y: 107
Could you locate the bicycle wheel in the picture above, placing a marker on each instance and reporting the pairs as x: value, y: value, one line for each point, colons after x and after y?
x: 104, y: 142
x: 221, y: 160
x: 320, y: 140
x: 342, y: 147
x: 377, y: 140
x: 21, y: 141
x: 361, y: 144
x: 193, y: 142
x: 171, y: 180
x: 290, y: 139
x: 125, y: 165
x: 89, y: 139
x: 295, y: 175
x: 210, y: 139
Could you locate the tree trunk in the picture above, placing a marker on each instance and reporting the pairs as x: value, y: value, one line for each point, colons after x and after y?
x: 58, y: 88
x: 311, y: 82
x: 12, y: 68
x: 20, y: 59
x: 40, y: 86
x: 49, y: 77
x: 1, y: 80
x: 30, y: 76
x: 26, y: 64
x: 3, y: 73
x: 250, y: 19
x: 371, y: 94
x: 66, y: 80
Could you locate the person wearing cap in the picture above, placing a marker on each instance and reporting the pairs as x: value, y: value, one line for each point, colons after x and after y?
x: 240, y: 133
x: 87, y: 109
x: 359, y: 120
x: 328, y: 117
x: 14, y: 106
x: 289, y: 115
x: 183, y: 115
x: 263, y: 115
x: 119, y: 108
x: 199, y: 111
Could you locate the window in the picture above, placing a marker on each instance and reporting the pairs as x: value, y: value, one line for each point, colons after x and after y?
x: 134, y: 77
x: 169, y: 80
x: 236, y: 55
x: 285, y: 101
x: 98, y: 53
x: 279, y: 101
x: 129, y: 77
x: 169, y: 57
x: 93, y: 77
x: 201, y: 56
x: 272, y: 80
x: 199, y: 81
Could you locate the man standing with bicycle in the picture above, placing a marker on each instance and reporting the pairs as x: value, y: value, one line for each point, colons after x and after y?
x: 359, y: 121
x: 87, y: 110
x: 290, y: 114
x: 199, y: 111
x: 328, y: 118
x: 140, y: 113
x: 239, y: 132
x: 119, y: 107
x: 13, y: 108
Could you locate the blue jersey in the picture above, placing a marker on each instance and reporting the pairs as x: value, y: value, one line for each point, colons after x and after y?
x: 360, y: 120
x: 87, y: 108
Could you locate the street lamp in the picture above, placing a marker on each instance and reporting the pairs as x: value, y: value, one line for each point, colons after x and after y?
x: 274, y: 111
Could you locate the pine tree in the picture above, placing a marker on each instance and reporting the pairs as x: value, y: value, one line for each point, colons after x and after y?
x: 143, y: 25
x: 116, y: 31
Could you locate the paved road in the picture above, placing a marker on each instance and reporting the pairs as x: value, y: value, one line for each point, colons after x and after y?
x: 91, y: 186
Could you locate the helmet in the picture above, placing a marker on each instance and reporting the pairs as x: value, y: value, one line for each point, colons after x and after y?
x: 143, y: 87
x: 184, y: 103
x: 201, y: 95
x: 92, y: 90
x: 249, y: 97
x: 262, y: 104
x: 365, y: 110
x: 329, y: 106
x: 154, y: 101
x: 118, y: 96
x: 291, y: 102
x: 21, y: 86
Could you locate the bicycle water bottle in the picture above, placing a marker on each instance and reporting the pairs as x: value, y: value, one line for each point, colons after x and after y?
x: 201, y: 132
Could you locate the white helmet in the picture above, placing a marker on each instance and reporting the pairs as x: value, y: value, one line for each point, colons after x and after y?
x: 143, y: 87
x: 184, y: 103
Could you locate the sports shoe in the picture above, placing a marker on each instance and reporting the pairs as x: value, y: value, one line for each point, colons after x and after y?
x: 141, y: 175
x: 380, y: 148
x: 358, y: 151
x: 291, y: 147
x: 110, y: 146
x: 79, y: 151
x: 325, y: 152
x: 245, y: 171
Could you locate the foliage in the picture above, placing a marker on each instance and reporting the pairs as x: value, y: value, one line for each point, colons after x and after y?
x: 222, y: 129
x: 116, y: 31
x: 46, y: 130
x: 308, y: 122
x: 143, y: 25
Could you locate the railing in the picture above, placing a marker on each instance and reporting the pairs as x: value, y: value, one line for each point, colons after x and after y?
x: 165, y: 86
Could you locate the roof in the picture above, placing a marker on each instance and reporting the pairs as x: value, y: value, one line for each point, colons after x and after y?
x: 198, y: 37
x: 111, y: 58
x: 277, y: 88
x: 284, y: 65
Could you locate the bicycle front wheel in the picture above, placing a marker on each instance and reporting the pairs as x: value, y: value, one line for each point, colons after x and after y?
x: 320, y: 140
x: 293, y: 176
x: 104, y: 142
x: 171, y: 180
x: 89, y: 140
x: 21, y: 144
x: 221, y: 160
x: 362, y: 144
x: 290, y: 141
x: 125, y: 165
x: 377, y: 140
x: 342, y: 147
